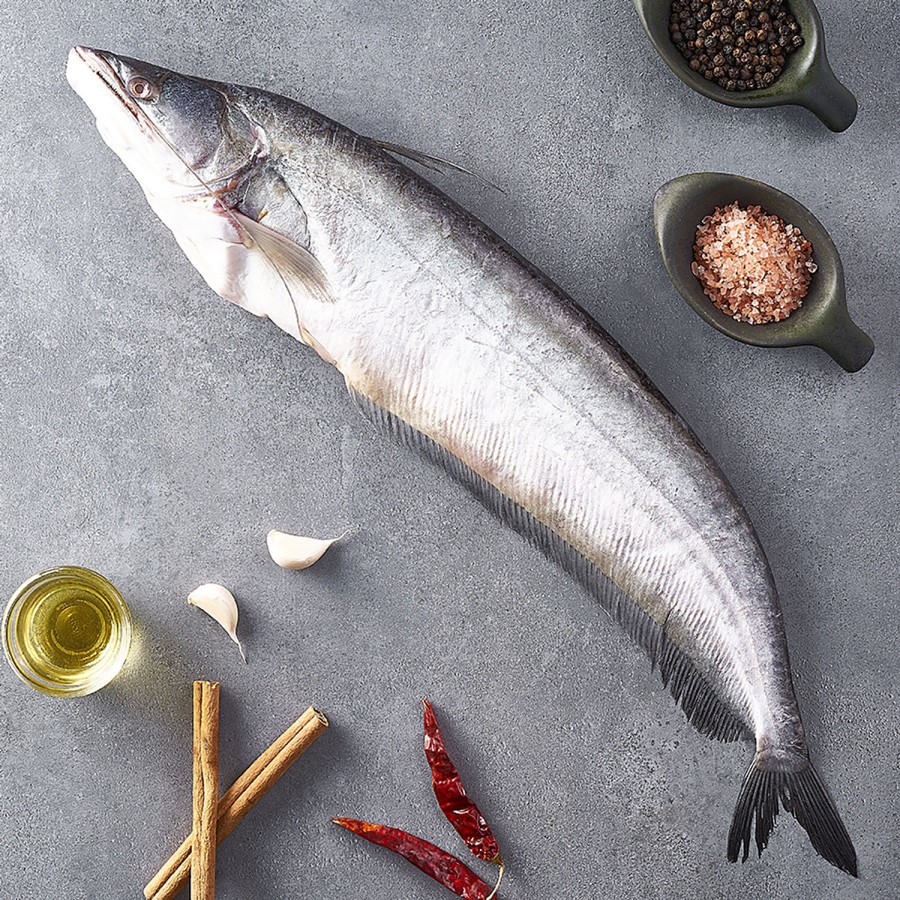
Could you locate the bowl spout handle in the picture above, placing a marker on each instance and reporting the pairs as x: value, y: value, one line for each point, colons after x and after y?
x: 846, y: 343
x: 825, y: 96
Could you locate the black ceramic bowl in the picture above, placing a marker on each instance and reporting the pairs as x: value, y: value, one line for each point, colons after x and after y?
x: 807, y: 79
x: 822, y: 320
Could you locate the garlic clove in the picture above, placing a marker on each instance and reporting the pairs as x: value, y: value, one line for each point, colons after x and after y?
x: 217, y: 601
x: 292, y: 551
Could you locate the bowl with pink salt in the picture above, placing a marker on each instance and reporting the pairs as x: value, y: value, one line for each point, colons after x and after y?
x: 756, y: 265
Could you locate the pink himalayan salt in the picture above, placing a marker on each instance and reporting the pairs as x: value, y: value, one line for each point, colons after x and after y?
x: 752, y: 266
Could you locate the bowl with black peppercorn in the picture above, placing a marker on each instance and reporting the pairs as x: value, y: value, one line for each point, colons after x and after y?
x: 757, y: 265
x: 750, y: 53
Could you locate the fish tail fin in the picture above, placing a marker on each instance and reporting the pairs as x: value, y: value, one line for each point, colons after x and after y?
x: 793, y: 783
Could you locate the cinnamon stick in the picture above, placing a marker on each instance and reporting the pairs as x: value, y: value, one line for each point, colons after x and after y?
x: 206, y: 790
x: 240, y: 798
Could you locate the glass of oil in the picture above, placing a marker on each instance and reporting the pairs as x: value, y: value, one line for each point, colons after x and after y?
x: 66, y: 631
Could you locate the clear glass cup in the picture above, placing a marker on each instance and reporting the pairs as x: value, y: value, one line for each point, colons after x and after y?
x: 67, y: 631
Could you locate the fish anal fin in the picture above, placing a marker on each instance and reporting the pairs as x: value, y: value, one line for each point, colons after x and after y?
x: 702, y: 706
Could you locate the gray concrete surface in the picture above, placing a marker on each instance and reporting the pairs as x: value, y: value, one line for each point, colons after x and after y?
x: 151, y: 431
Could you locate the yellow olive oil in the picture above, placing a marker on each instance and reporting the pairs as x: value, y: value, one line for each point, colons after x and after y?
x: 67, y: 631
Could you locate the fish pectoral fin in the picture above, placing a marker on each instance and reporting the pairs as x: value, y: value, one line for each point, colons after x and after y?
x: 297, y: 267
x: 435, y: 163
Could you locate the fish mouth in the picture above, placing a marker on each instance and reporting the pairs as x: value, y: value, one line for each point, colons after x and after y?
x: 84, y: 61
x: 124, y: 126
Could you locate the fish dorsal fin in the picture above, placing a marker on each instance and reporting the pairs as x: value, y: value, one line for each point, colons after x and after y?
x: 301, y: 272
x: 435, y: 163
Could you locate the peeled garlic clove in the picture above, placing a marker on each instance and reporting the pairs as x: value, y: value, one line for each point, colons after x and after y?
x: 291, y: 551
x: 218, y: 602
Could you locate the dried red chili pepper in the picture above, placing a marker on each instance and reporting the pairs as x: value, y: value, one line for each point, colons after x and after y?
x: 460, y: 811
x: 443, y: 867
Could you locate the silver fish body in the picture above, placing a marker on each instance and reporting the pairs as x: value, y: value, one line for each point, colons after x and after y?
x: 453, y: 343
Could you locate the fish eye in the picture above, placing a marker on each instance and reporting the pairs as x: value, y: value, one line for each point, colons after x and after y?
x: 142, y: 89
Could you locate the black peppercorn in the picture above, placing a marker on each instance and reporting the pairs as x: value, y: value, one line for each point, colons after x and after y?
x: 740, y: 44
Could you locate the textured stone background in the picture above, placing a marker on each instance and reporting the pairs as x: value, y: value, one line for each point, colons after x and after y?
x: 151, y: 431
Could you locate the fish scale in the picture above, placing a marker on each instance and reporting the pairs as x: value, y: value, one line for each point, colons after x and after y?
x: 454, y: 345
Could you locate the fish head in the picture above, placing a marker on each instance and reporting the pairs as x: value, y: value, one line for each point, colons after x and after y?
x: 203, y: 159
x: 178, y: 135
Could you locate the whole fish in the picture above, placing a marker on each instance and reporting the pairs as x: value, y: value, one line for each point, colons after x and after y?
x: 454, y: 344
